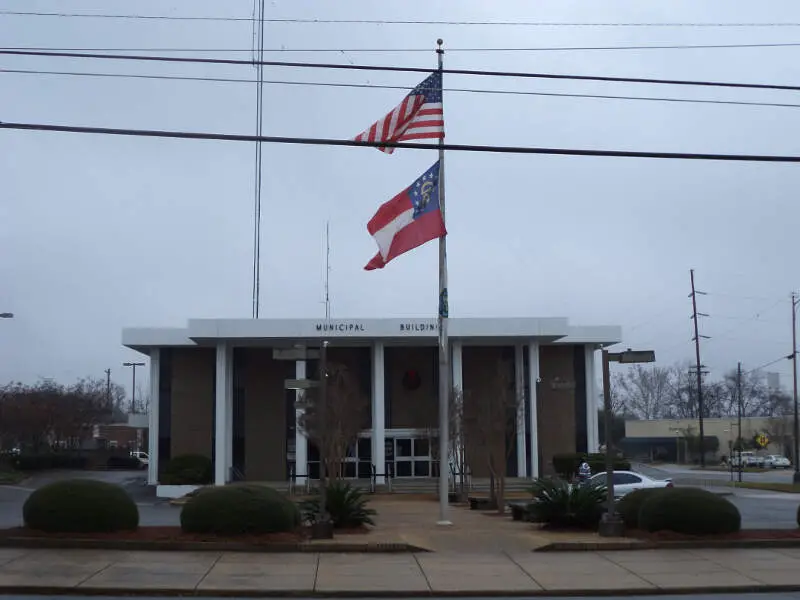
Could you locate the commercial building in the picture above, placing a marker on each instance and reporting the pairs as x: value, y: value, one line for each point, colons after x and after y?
x: 218, y: 389
x: 666, y: 439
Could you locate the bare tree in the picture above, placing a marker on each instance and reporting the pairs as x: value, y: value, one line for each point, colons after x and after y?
x: 51, y: 415
x: 335, y: 426
x: 455, y: 461
x: 644, y: 391
x: 490, y: 425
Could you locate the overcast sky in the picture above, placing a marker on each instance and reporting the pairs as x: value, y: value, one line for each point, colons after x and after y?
x: 98, y: 233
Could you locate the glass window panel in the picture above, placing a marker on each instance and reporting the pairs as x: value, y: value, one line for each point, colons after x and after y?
x: 422, y: 468
x: 404, y: 447
x: 403, y: 468
x: 421, y: 447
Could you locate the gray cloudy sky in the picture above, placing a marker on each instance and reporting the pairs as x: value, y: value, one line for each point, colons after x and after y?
x: 98, y: 233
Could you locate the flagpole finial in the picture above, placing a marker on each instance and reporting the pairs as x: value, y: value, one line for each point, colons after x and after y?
x: 440, y: 43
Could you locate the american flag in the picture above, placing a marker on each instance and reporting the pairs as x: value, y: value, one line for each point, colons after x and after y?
x: 418, y: 116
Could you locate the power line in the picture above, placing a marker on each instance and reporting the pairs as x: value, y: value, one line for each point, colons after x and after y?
x: 309, y: 65
x: 456, y: 49
x: 768, y: 364
x: 232, y: 137
x: 382, y: 21
x: 389, y: 87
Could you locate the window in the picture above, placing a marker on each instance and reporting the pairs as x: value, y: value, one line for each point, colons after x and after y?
x: 626, y: 479
x: 599, y: 479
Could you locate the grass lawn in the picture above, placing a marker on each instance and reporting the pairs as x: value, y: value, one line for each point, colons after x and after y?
x: 11, y: 477
x: 771, y: 487
x: 727, y: 470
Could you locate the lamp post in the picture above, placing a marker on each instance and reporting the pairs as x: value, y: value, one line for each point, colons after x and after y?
x: 133, y: 390
x: 611, y: 525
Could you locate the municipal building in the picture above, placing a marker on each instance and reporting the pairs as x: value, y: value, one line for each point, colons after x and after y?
x: 219, y: 388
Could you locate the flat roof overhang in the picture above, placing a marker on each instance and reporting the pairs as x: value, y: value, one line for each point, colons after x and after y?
x: 359, y: 332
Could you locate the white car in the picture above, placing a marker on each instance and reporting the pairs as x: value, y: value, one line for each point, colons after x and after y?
x: 776, y: 461
x: 144, y: 459
x: 628, y: 481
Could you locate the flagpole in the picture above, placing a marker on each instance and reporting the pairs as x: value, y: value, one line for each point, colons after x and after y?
x: 444, y: 346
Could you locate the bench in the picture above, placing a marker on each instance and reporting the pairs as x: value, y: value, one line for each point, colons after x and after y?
x: 480, y: 503
x: 519, y: 510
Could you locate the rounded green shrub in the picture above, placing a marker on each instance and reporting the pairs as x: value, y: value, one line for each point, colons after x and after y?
x: 188, y: 469
x: 80, y: 506
x: 689, y: 510
x: 630, y: 504
x: 239, y: 509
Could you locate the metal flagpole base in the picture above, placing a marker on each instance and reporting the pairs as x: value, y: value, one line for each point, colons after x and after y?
x: 611, y: 526
x: 444, y: 523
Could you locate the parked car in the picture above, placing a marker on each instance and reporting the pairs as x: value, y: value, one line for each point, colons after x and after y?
x: 144, y: 459
x: 628, y: 481
x: 776, y: 461
x: 748, y: 459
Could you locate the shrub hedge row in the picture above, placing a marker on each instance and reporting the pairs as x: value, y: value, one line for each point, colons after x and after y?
x: 188, y: 469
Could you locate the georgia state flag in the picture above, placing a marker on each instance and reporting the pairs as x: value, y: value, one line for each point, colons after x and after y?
x: 410, y: 219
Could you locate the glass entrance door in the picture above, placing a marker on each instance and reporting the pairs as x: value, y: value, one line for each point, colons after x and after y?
x: 412, y: 457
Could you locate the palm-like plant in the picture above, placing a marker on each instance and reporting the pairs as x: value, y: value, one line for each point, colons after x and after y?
x: 346, y: 505
x: 561, y: 504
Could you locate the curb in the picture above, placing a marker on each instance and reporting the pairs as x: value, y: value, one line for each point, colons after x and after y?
x: 173, y: 592
x: 315, y: 547
x: 666, y: 545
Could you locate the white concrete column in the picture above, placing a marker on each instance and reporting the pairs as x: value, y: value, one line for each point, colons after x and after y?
x: 152, y: 428
x: 229, y: 415
x: 592, y: 423
x: 522, y: 426
x: 222, y: 407
x: 458, y: 386
x: 533, y: 368
x: 379, y: 411
x: 300, y: 439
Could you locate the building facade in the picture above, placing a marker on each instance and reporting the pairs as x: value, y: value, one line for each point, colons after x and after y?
x: 219, y: 388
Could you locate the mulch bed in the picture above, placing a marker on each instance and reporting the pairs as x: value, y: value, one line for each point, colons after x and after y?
x: 745, y: 534
x: 174, y: 534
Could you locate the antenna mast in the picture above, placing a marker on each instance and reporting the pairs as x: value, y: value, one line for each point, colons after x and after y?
x: 327, y: 269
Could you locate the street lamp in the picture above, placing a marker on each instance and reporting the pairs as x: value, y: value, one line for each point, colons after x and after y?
x: 611, y: 525
x: 6, y: 315
x: 133, y: 392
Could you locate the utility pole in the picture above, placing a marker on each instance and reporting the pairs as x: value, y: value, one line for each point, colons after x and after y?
x: 133, y: 390
x: 739, y: 411
x: 795, y: 302
x: 108, y: 388
x: 697, y: 336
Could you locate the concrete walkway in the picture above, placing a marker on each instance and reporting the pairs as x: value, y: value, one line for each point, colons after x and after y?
x: 211, y: 573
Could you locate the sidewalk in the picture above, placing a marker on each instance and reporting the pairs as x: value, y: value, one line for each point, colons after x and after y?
x: 498, y: 573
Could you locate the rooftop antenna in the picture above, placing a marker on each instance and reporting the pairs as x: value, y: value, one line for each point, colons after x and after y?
x: 327, y: 270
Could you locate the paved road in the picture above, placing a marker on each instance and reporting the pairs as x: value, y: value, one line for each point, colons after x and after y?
x: 683, y: 472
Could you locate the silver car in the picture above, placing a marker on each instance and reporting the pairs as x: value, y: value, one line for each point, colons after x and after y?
x: 776, y: 461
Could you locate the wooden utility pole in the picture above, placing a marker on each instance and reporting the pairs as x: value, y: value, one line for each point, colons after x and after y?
x: 695, y: 314
x: 739, y: 439
x: 795, y: 302
x: 108, y: 388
